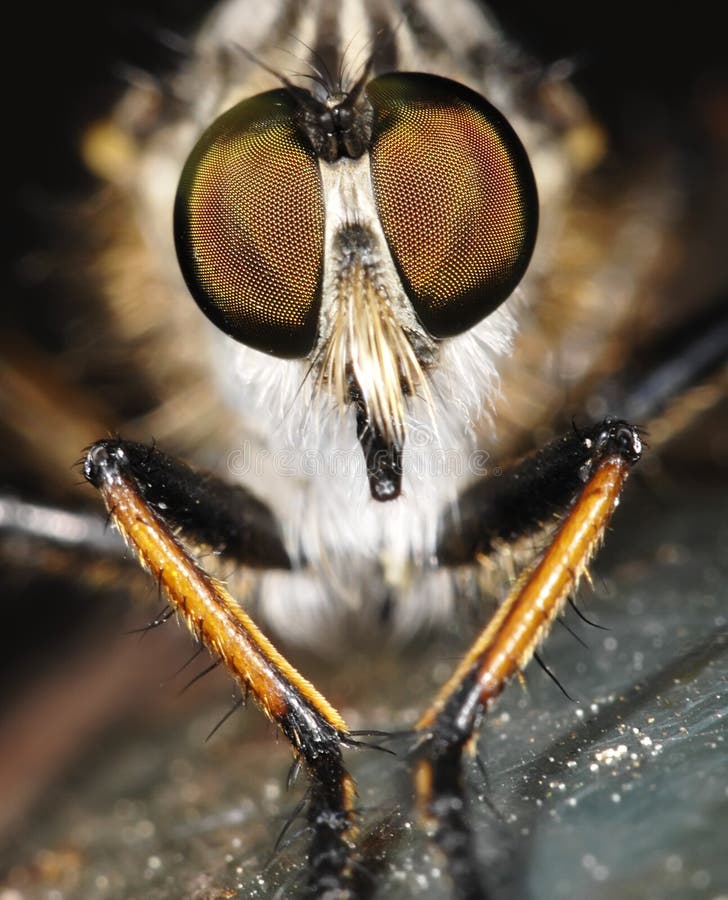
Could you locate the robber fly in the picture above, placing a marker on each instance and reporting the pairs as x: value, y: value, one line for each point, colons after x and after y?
x: 331, y: 229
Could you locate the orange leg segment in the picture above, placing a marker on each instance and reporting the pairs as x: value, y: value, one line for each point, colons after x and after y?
x: 315, y: 729
x: 524, y: 619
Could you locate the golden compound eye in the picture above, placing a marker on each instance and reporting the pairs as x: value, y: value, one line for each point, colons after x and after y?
x: 456, y: 197
x: 249, y: 226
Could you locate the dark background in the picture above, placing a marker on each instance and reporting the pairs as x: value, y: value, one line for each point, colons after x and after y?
x: 651, y: 74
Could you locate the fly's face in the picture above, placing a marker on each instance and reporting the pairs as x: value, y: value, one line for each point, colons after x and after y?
x: 362, y: 242
x: 357, y: 232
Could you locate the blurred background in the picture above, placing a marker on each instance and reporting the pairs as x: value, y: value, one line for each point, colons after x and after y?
x: 657, y: 79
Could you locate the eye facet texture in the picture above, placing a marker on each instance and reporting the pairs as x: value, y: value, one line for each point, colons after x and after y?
x: 249, y: 226
x: 454, y: 191
x: 456, y: 197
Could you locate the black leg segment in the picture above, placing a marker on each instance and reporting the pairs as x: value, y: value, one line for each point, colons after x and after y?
x: 207, y: 510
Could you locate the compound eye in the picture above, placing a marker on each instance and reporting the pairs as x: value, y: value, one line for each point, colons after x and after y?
x: 456, y: 197
x: 249, y: 226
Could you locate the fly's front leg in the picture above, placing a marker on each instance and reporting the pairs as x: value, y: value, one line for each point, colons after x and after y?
x: 577, y: 479
x: 155, y: 501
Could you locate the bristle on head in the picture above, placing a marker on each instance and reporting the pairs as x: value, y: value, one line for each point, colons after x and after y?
x: 368, y: 344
